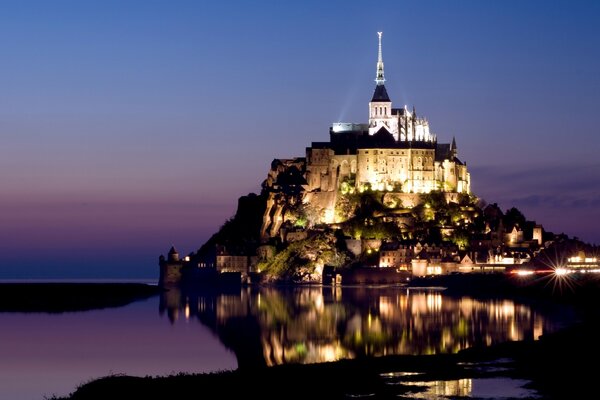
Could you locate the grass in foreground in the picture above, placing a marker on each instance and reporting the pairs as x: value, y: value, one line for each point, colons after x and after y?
x: 65, y: 297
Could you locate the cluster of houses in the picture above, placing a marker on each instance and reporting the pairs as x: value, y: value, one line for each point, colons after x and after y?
x: 490, y: 252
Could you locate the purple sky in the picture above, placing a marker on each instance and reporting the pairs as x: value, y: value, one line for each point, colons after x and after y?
x: 130, y: 126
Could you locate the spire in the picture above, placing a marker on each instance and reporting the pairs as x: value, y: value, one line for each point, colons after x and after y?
x: 379, y: 78
x: 453, y: 151
x: 380, y: 93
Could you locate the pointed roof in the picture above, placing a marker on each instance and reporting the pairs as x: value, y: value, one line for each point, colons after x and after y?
x: 382, y: 138
x: 380, y: 94
x: 173, y: 251
x: 453, y: 145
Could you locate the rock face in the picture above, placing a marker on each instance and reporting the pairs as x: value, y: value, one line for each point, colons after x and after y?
x: 291, y: 201
x: 284, y: 190
x: 304, y: 260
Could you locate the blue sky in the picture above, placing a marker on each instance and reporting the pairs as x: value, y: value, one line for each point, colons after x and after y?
x: 128, y: 126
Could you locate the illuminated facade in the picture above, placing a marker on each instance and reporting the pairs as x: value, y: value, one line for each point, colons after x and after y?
x: 395, y: 151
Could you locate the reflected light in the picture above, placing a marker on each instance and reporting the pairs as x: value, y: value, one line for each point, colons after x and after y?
x: 312, y: 325
x: 523, y: 272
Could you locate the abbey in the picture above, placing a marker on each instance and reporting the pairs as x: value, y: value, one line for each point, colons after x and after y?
x: 394, y: 152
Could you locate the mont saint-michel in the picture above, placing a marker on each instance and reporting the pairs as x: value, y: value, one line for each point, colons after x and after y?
x: 379, y: 202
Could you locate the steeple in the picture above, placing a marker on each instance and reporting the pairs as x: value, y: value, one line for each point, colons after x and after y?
x: 380, y: 79
x: 380, y: 93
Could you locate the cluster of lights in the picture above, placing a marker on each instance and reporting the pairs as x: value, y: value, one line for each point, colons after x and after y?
x: 556, y: 271
x: 578, y: 259
x: 592, y: 271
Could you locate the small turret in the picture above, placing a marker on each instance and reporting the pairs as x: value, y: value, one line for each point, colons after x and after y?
x: 170, y: 268
x: 173, y: 255
x: 453, y: 150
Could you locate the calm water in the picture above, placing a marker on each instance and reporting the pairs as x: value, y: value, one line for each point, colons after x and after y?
x: 308, y: 325
x: 44, y: 354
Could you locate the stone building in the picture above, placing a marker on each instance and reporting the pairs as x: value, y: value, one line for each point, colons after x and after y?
x: 395, y: 255
x: 237, y: 261
x: 170, y: 268
x: 394, y: 152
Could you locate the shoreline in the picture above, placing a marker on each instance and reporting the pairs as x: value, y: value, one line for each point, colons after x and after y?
x: 49, y: 297
x: 554, y: 365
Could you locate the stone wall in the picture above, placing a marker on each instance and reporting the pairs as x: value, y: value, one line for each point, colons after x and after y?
x: 170, y: 273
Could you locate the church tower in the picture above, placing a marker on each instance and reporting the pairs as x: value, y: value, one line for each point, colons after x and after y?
x: 380, y: 107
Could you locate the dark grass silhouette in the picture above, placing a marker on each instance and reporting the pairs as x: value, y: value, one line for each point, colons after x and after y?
x: 66, y: 297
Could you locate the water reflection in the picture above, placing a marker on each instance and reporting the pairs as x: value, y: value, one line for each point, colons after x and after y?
x: 270, y: 326
x: 481, y: 388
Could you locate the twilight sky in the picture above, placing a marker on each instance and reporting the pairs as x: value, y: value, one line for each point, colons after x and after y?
x: 128, y: 126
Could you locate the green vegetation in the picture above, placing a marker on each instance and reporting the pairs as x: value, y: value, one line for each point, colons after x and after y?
x: 300, y: 260
x: 373, y: 215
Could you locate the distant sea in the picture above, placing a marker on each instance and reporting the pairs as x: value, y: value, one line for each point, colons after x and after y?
x: 147, y: 281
